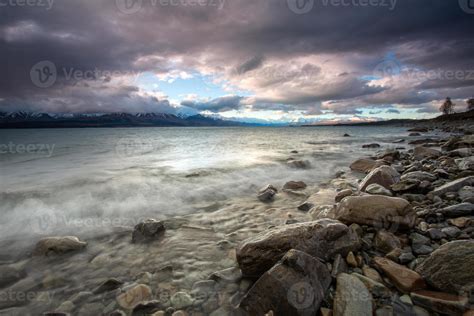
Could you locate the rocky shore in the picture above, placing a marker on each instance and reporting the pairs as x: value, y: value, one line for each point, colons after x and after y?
x: 392, y: 236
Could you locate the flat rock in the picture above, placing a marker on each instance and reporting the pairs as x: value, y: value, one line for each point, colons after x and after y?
x: 453, y: 186
x: 147, y: 231
x: 58, y: 245
x: 419, y: 175
x: 449, y: 268
x: 323, y: 239
x: 376, y: 210
x: 439, y: 302
x: 352, y: 297
x: 385, y: 176
x: 463, y: 209
x: 404, y: 279
x: 134, y: 295
x: 294, y: 286
x: 365, y: 165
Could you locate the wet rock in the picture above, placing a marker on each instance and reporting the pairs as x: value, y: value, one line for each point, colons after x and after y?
x: 305, y: 207
x: 299, y: 164
x: 404, y: 279
x: 374, y: 145
x: 365, y: 165
x: 342, y: 194
x: 267, y: 194
x: 376, y: 210
x: 377, y: 189
x: 134, y: 295
x: 323, y: 239
x: 107, y: 286
x: 386, y: 241
x: 399, y: 141
x: 294, y: 185
x: 454, y: 186
x: 463, y: 209
x: 147, y: 308
x: 414, y: 134
x: 439, y: 302
x: 352, y: 297
x: 181, y: 300
x: 322, y: 212
x: 419, y: 175
x: 230, y: 275
x: 58, y: 245
x: 449, y: 268
x: 385, y: 176
x: 425, y: 152
x: 294, y: 286
x: 347, y: 135
x: 147, y: 231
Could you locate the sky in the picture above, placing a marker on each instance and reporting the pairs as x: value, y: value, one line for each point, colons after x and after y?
x: 281, y: 61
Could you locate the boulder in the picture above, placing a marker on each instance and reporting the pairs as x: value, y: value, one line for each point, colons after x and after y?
x: 377, y: 189
x: 267, y: 194
x: 376, y: 210
x: 294, y: 286
x: 404, y: 279
x: 365, y: 165
x: 323, y: 239
x: 294, y: 185
x: 352, y: 297
x: 453, y: 186
x: 58, y: 245
x: 385, y: 176
x: 449, y: 268
x: 463, y: 209
x: 147, y: 231
x: 424, y: 152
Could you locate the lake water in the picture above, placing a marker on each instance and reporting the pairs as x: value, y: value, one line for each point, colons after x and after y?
x: 76, y: 181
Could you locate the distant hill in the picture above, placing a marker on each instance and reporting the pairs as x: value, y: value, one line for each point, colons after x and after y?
x: 43, y: 120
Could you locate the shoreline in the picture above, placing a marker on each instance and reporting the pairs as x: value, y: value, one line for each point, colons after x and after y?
x: 191, y: 265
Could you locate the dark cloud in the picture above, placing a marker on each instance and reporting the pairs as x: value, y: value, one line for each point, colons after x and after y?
x: 393, y: 111
x: 305, y: 62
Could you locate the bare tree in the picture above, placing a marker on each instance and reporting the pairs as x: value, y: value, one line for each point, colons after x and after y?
x: 470, y: 104
x: 447, y: 107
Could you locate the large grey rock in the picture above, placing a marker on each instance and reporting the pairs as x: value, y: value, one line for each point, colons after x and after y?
x: 58, y: 245
x: 458, y: 210
x: 147, y: 231
x: 352, y: 297
x: 294, y: 286
x: 385, y: 176
x: 449, y: 268
x: 323, y: 239
x: 376, y: 210
x: 454, y: 186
